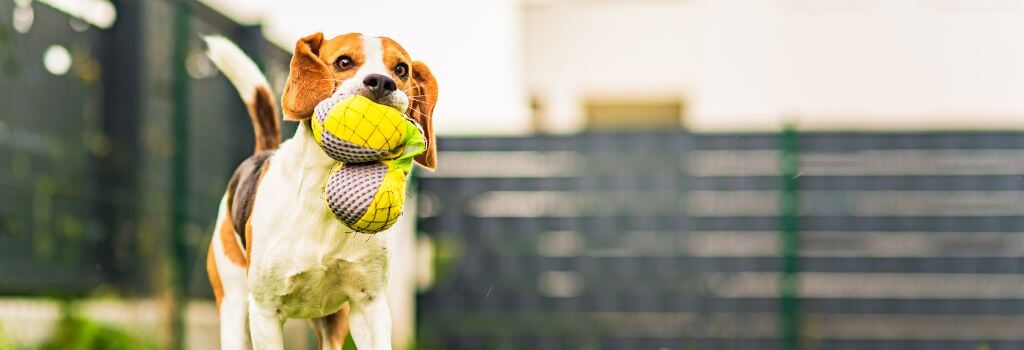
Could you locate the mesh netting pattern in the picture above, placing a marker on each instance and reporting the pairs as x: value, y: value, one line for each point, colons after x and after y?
x: 353, y: 129
x: 386, y: 206
x: 351, y: 189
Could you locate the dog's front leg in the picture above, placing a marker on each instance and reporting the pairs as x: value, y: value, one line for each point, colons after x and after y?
x: 265, y: 325
x: 370, y: 323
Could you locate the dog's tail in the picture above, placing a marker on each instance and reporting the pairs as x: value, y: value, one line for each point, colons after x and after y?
x: 251, y: 85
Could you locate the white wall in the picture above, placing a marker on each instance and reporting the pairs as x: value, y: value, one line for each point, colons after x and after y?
x: 749, y: 64
x: 620, y: 49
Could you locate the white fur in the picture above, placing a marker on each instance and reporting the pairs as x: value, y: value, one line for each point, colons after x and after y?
x: 373, y: 57
x: 234, y: 308
x: 304, y: 262
x: 236, y: 65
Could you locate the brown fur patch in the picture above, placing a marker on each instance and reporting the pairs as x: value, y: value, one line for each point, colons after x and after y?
x: 336, y: 327
x: 338, y: 324
x: 313, y: 75
x: 423, y: 98
x: 350, y: 45
x: 248, y: 236
x: 265, y: 123
x: 214, y: 275
x: 394, y: 54
x: 309, y: 79
x: 229, y: 242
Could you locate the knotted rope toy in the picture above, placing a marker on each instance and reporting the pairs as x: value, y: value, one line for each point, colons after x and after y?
x: 374, y: 145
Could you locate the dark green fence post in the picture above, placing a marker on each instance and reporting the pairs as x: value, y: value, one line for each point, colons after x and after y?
x: 789, y: 239
x: 179, y: 164
x: 117, y: 172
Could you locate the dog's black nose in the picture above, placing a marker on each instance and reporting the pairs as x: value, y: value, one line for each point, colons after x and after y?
x: 379, y: 84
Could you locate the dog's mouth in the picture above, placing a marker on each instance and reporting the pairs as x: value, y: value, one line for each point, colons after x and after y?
x: 393, y: 101
x: 397, y: 99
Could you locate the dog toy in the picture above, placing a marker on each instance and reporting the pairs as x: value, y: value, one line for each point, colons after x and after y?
x: 374, y: 145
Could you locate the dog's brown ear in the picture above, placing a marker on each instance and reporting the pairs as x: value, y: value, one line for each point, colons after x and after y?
x: 422, y: 98
x: 309, y: 79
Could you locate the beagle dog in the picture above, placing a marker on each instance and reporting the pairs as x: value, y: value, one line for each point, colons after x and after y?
x: 277, y: 251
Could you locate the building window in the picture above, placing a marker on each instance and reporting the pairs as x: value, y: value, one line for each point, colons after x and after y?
x: 617, y: 115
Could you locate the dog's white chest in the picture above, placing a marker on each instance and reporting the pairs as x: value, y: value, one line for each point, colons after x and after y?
x: 303, y: 283
x: 305, y: 263
x: 316, y: 289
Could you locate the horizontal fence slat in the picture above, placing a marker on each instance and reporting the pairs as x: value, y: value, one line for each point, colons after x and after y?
x: 742, y: 325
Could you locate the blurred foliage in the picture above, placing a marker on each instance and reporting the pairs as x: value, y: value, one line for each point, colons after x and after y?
x: 8, y: 62
x: 5, y: 342
x: 447, y: 253
x: 75, y: 332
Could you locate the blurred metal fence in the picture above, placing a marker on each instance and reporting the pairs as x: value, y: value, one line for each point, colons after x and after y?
x: 112, y: 167
x: 45, y: 158
x: 86, y: 157
x: 671, y: 241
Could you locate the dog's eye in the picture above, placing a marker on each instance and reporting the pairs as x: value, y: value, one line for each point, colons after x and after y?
x: 343, y: 63
x: 402, y: 70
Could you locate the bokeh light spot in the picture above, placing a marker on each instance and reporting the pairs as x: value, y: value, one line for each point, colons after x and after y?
x: 22, y: 19
x: 57, y: 60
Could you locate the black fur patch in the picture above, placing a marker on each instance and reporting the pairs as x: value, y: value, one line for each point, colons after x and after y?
x: 242, y: 190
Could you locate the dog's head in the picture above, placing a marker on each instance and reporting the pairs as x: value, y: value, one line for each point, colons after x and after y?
x: 377, y: 68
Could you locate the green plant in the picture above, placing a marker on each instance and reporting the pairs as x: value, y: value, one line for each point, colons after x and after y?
x: 74, y: 332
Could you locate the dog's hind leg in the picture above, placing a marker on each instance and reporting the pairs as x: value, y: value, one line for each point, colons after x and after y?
x: 332, y: 329
x: 226, y: 266
x: 371, y: 323
x: 234, y: 325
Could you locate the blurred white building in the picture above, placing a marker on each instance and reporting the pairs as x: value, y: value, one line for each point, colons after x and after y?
x: 564, y: 66
x: 752, y: 64
x: 516, y: 66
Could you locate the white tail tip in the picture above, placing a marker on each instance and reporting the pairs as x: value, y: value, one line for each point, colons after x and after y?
x: 243, y: 73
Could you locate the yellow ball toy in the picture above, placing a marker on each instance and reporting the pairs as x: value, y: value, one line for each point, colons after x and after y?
x: 354, y: 129
x: 374, y: 145
x: 367, y: 197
